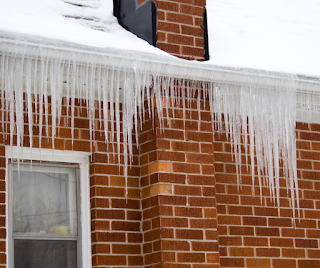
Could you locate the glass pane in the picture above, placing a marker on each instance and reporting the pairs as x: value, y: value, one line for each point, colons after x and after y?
x: 45, y: 254
x: 44, y: 200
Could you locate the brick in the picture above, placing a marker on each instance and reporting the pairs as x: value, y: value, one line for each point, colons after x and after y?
x: 172, y: 200
x: 100, y: 248
x: 191, y: 30
x: 188, y: 212
x: 281, y: 242
x: 185, y: 168
x: 229, y: 220
x: 168, y: 177
x: 193, y: 10
x: 189, y: 234
x: 250, y: 200
x: 135, y: 260
x: 232, y: 262
x: 254, y: 241
x: 109, y: 214
x: 308, y: 263
x: 281, y: 263
x: 110, y: 260
x: 234, y: 230
x: 191, y: 257
x: 108, y: 191
x: 100, y: 225
x: 171, y: 156
x: 306, y: 243
x: 204, y: 246
x: 241, y: 251
x: 199, y: 136
x: 125, y: 226
x: 126, y: 249
x: 157, y: 189
x: 226, y: 178
x: 314, y: 253
x: 200, y: 158
x: 180, y: 18
x: 240, y: 210
x: 230, y: 240
x: 227, y: 199
x: 185, y: 146
x: 201, y: 180
x: 258, y: 262
x: 313, y: 233
x: 280, y: 222
x: 257, y: 221
x: 175, y: 245
x: 292, y: 232
x: 293, y: 253
x: 268, y: 252
x: 203, y: 223
x: 109, y: 237
x: 201, y: 202
x: 187, y: 190
x: 306, y: 223
x: 180, y: 39
x: 168, y: 6
x: 174, y: 222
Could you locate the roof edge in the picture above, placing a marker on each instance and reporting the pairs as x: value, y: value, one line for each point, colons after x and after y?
x: 162, y: 64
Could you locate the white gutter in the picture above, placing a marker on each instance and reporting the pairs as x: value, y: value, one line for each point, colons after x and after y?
x: 162, y: 65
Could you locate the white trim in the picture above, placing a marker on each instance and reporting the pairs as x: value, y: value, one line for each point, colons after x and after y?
x: 81, y: 158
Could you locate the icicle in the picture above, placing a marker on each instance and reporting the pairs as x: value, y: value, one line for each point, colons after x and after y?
x: 258, y: 115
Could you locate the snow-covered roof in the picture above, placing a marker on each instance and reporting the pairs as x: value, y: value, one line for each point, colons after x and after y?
x: 84, y: 22
x: 272, y: 35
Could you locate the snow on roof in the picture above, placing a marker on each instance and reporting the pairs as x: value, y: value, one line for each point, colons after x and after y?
x: 85, y: 22
x: 271, y: 35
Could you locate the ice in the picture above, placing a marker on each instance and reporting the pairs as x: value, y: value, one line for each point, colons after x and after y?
x: 256, y: 109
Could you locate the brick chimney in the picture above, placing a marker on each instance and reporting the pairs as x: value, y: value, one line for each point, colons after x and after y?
x: 180, y: 27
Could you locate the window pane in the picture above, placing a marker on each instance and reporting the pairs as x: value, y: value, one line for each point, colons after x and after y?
x: 45, y: 254
x: 44, y: 200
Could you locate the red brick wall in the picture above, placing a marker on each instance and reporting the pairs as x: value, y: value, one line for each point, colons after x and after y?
x: 254, y: 234
x: 180, y: 31
x: 178, y: 190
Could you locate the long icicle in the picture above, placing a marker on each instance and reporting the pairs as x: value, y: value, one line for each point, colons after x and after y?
x: 268, y: 111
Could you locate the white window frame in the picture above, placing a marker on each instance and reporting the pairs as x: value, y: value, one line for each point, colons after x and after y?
x: 49, y: 155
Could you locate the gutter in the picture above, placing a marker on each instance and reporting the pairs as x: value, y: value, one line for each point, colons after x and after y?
x: 162, y: 65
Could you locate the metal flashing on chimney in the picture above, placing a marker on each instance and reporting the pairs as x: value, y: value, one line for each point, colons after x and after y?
x: 138, y: 19
x: 205, y: 35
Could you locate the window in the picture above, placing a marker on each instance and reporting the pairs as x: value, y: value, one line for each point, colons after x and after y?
x: 48, y: 223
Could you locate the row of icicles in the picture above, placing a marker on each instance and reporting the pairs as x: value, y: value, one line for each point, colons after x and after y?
x: 260, y: 120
